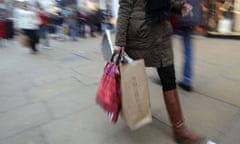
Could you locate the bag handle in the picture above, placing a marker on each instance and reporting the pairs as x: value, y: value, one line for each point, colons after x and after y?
x: 117, y: 59
x: 121, y: 58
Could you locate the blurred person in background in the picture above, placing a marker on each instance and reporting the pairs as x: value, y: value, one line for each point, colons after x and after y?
x: 82, y: 23
x: 72, y: 21
x: 95, y: 18
x: 100, y: 21
x: 185, y: 27
x: 91, y: 19
x: 106, y: 22
x: 187, y: 72
x: 28, y: 22
x: 59, y: 26
x: 43, y: 30
x: 144, y: 32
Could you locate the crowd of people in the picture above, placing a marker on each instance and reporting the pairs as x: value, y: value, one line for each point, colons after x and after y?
x: 36, y: 23
x: 78, y: 22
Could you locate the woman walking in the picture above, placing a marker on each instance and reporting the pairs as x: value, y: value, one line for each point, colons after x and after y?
x: 29, y: 22
x: 143, y: 31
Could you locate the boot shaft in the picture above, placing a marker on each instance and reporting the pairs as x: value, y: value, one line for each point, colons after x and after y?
x: 174, y: 108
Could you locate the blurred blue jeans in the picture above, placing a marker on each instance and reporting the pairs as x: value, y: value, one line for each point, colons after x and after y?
x: 188, y: 57
x: 74, y: 31
x: 43, y: 34
x: 60, y: 35
x: 82, y: 30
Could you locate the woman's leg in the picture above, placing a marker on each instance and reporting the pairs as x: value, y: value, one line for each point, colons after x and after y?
x: 33, y: 45
x: 180, y: 131
x: 34, y: 40
x: 31, y: 34
x: 73, y: 32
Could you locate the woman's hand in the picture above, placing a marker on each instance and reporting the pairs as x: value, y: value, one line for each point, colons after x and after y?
x: 186, y: 9
x: 118, y: 49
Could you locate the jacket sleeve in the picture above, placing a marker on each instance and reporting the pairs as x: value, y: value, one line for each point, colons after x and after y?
x: 176, y: 6
x: 36, y: 19
x: 124, y: 13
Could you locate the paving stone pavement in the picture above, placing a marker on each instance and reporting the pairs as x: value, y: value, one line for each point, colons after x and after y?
x: 49, y: 98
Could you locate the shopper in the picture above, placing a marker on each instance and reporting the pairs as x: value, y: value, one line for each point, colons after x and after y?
x: 188, y: 57
x: 92, y: 20
x: 82, y: 21
x: 43, y: 31
x: 29, y: 21
x: 72, y: 21
x: 185, y: 27
x: 59, y: 26
x: 143, y: 31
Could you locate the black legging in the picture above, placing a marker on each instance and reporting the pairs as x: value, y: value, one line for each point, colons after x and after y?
x: 33, y: 38
x: 168, y: 78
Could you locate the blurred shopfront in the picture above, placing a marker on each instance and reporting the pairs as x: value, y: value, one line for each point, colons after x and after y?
x: 223, y: 18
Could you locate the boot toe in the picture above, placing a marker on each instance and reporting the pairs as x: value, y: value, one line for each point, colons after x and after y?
x: 184, y: 136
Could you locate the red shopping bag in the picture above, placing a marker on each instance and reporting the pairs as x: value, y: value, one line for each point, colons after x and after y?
x: 108, y: 94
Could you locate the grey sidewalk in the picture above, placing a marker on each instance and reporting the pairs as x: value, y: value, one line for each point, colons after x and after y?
x: 49, y: 98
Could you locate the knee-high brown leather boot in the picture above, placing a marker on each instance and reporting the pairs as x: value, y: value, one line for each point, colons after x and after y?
x: 180, y: 131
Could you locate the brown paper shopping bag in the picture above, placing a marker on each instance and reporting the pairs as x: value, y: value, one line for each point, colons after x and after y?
x: 136, y: 108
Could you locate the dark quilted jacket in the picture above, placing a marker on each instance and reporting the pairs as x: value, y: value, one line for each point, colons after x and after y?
x: 152, y: 43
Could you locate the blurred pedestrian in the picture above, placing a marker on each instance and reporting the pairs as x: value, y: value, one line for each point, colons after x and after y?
x: 91, y: 21
x: 72, y: 21
x: 185, y: 27
x: 143, y: 31
x: 59, y: 26
x: 82, y: 23
x: 187, y: 73
x: 28, y: 22
x: 43, y: 31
